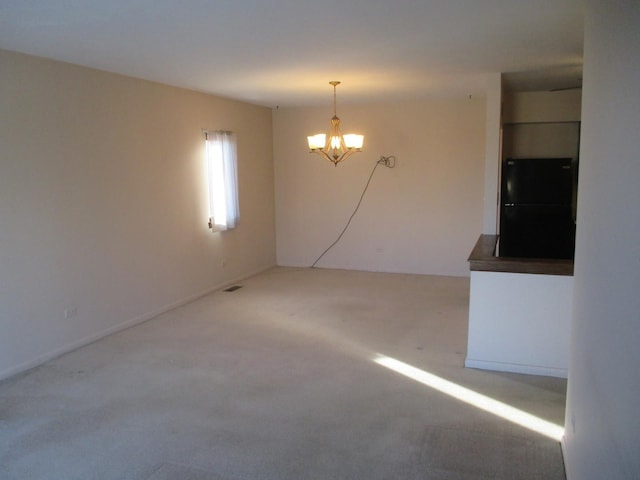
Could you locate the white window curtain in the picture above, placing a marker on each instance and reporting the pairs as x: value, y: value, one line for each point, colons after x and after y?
x: 223, y: 180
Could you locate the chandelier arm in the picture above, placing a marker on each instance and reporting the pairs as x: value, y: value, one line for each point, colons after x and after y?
x: 325, y: 155
x: 346, y: 155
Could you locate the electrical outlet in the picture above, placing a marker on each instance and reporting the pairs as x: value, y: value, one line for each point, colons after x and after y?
x: 70, y: 312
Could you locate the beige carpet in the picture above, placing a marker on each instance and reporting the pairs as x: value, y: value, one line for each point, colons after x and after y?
x: 276, y: 380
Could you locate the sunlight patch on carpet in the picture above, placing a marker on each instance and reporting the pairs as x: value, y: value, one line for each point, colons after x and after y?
x: 473, y: 398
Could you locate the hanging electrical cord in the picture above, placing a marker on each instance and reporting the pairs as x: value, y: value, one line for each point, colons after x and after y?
x: 389, y: 162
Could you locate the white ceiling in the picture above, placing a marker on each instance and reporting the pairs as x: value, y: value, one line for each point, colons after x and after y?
x: 284, y: 52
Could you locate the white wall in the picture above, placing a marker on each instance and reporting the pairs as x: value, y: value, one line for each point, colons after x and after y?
x: 520, y: 323
x: 542, y: 124
x: 602, y: 423
x: 103, y: 203
x: 558, y: 106
x: 493, y: 140
x: 423, y: 216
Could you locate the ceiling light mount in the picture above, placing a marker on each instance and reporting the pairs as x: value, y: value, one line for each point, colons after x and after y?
x: 337, y: 147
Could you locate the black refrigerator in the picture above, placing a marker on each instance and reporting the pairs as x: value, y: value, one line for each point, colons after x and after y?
x: 537, y: 208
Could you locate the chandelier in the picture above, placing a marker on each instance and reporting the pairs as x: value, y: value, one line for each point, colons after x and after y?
x: 337, y: 147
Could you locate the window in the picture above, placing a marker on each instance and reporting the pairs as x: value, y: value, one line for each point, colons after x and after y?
x: 223, y: 180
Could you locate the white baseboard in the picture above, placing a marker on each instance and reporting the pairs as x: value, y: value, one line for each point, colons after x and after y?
x: 45, y: 357
x: 516, y: 368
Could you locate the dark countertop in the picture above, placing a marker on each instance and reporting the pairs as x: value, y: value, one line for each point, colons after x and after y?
x: 483, y: 259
